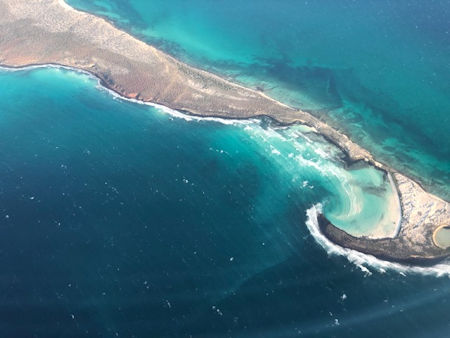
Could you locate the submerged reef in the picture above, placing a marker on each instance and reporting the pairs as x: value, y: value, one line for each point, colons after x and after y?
x: 39, y: 32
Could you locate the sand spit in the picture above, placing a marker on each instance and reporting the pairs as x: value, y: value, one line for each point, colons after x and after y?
x: 422, y: 214
x: 51, y: 32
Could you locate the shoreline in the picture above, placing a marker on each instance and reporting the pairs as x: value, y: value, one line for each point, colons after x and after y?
x: 349, y: 161
x: 139, y: 72
x: 322, y: 220
x: 379, y: 248
x: 367, y: 262
x: 399, y: 204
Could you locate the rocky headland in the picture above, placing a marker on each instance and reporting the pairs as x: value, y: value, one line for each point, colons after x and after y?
x: 39, y: 32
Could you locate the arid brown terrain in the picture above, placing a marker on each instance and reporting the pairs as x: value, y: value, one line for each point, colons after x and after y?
x: 51, y: 32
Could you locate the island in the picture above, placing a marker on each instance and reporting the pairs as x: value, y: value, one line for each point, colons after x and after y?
x: 50, y: 32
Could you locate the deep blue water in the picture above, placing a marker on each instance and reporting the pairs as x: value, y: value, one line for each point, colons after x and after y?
x: 120, y: 219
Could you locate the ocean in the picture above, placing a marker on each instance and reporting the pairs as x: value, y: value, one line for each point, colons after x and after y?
x: 131, y: 220
x: 376, y: 69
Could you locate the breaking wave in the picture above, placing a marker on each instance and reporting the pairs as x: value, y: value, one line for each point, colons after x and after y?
x: 363, y: 261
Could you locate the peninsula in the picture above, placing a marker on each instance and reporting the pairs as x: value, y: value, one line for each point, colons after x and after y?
x: 39, y: 32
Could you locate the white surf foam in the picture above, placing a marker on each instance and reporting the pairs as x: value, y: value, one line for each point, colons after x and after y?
x: 161, y: 108
x: 366, y: 262
x: 177, y: 114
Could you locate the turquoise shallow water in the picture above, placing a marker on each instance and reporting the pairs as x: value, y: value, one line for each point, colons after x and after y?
x: 121, y: 219
x: 378, y: 70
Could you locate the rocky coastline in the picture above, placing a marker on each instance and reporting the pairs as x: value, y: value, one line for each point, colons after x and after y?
x: 40, y: 32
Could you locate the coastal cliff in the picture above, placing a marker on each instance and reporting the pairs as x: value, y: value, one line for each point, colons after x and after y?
x: 51, y: 32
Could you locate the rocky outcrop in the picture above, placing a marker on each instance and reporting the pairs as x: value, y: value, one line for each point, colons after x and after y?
x: 51, y: 32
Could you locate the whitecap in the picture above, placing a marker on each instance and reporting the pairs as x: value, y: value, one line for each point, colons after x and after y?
x: 364, y: 261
